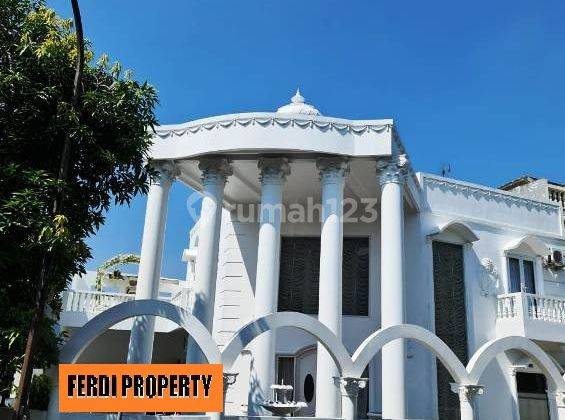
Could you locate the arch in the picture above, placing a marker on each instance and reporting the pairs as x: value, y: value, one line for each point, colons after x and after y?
x: 537, y: 246
x: 101, y: 322
x: 459, y: 228
x: 253, y: 329
x: 373, y: 344
x: 484, y: 355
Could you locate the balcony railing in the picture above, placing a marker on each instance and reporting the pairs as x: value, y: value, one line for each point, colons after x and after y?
x: 93, y: 302
x: 529, y: 306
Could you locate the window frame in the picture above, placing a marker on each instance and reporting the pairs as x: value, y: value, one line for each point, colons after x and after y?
x: 521, y: 258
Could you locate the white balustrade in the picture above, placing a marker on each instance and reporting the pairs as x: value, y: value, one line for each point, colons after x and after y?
x: 538, y: 307
x: 93, y: 301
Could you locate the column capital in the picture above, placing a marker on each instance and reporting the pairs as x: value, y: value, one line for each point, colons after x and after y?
x: 392, y: 169
x: 229, y: 380
x: 163, y: 172
x: 332, y: 169
x: 273, y: 170
x: 350, y: 386
x: 467, y: 392
x: 214, y: 169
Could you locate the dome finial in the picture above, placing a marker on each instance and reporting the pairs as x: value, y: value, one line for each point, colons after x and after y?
x: 297, y: 98
x: 298, y: 105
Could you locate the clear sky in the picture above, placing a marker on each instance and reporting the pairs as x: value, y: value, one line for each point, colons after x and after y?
x: 479, y: 85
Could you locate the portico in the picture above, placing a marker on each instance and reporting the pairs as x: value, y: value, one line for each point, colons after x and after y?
x: 293, y: 157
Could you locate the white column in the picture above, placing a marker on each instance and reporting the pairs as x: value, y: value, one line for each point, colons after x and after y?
x: 214, y: 175
x: 273, y: 172
x: 556, y: 405
x: 141, y: 338
x: 332, y: 174
x: 467, y: 394
x: 392, y: 287
x: 349, y: 391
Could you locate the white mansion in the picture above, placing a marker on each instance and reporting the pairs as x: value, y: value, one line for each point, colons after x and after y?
x: 326, y: 217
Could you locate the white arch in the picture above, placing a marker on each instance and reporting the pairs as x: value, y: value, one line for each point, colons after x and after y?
x: 458, y: 227
x: 536, y: 245
x: 493, y: 348
x: 253, y: 329
x: 101, y: 322
x: 373, y: 344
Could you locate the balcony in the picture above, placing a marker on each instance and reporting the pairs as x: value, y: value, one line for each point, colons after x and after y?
x: 79, y: 306
x: 533, y: 316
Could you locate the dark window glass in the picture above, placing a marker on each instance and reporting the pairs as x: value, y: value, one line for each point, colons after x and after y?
x: 532, y: 383
x: 308, y: 388
x: 514, y: 274
x: 529, y: 285
x: 300, y: 271
x: 285, y: 372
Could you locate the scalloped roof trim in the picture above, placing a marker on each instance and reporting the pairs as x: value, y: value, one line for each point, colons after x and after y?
x: 270, y: 119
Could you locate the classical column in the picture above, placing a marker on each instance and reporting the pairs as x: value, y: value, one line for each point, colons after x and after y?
x: 149, y: 274
x: 214, y: 176
x: 467, y: 394
x: 556, y: 404
x: 332, y: 174
x: 392, y: 286
x: 349, y: 390
x: 273, y: 172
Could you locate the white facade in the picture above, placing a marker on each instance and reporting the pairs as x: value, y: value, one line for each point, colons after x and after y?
x: 297, y: 159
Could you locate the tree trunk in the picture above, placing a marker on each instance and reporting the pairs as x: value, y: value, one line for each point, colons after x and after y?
x: 21, y: 404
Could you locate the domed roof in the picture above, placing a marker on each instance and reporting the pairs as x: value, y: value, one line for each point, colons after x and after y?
x: 297, y: 105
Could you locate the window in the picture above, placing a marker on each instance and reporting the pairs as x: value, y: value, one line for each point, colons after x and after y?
x: 299, y: 275
x: 521, y: 275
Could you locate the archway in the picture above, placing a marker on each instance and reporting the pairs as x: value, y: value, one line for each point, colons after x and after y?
x: 484, y: 355
x: 255, y: 328
x: 373, y: 344
x: 103, y: 321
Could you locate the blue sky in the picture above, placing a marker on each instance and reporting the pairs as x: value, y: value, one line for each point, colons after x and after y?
x: 480, y: 85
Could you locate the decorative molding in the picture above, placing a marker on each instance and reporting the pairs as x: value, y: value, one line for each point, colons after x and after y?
x: 392, y: 169
x: 350, y: 386
x: 273, y: 170
x: 332, y: 169
x: 489, y: 278
x: 467, y: 392
x: 229, y: 380
x: 214, y: 170
x: 488, y: 193
x: 166, y: 172
x: 266, y: 120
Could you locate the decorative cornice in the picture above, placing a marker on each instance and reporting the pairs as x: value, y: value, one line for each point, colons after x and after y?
x: 488, y: 193
x: 392, y: 169
x: 270, y: 119
x: 273, y: 170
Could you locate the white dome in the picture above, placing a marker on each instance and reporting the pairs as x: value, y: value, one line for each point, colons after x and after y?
x: 298, y: 106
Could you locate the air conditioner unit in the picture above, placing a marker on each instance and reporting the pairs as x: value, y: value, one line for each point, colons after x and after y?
x: 556, y: 259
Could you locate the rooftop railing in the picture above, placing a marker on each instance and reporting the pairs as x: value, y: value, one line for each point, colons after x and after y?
x: 94, y: 302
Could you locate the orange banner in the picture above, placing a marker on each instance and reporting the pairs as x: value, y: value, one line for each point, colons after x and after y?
x: 113, y: 388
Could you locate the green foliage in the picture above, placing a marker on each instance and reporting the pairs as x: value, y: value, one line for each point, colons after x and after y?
x: 110, y: 140
x: 39, y: 392
x: 114, y: 262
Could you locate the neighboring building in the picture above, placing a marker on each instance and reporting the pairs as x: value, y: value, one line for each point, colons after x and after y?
x: 465, y: 261
x: 538, y: 188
